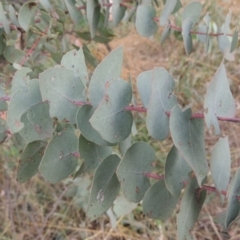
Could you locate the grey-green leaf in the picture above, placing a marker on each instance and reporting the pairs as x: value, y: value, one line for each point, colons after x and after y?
x: 145, y: 24
x: 83, y: 116
x: 218, y: 101
x: 190, y: 208
x: 118, y: 12
x: 92, y: 153
x: 221, y: 165
x: 192, y: 11
x: 3, y: 20
x: 234, y: 41
x: 158, y: 202
x: 62, y: 90
x: 75, y: 13
x: 233, y: 206
x: 187, y: 25
x: 109, y: 69
x: 75, y: 60
x: 110, y: 119
x: 168, y: 9
x: 188, y: 137
x: 176, y: 172
x: 125, y: 144
x: 162, y: 100
x: 38, y: 124
x: 144, y: 86
x: 93, y: 15
x: 30, y: 160
x: 3, y: 130
x: 165, y: 34
x: 137, y: 160
x: 105, y: 187
x: 3, y: 104
x: 21, y: 102
x: 60, y: 157
x: 26, y: 15
x: 13, y: 55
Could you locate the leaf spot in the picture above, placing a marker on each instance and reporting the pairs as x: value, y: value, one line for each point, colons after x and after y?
x: 100, y: 196
x: 137, y: 189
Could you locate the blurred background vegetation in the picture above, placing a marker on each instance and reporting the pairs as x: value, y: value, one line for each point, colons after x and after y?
x: 39, y: 210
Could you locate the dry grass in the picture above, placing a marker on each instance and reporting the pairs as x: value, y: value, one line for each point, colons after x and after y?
x: 38, y: 210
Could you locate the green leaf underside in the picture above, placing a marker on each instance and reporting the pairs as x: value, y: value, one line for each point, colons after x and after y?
x: 92, y: 153
x: 176, y: 172
x: 158, y: 202
x: 109, y: 69
x: 30, y: 160
x: 105, y: 187
x: 190, y: 208
x: 161, y: 101
x: 62, y: 89
x: 75, y: 60
x: 110, y: 119
x: 221, y: 165
x: 218, y: 101
x: 83, y: 116
x: 233, y: 206
x: 145, y: 24
x: 137, y: 160
x: 59, y: 161
x: 188, y: 137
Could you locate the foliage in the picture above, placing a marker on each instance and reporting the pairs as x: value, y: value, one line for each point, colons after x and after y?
x: 60, y: 115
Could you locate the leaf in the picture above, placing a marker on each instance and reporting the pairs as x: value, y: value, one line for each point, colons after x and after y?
x: 187, y: 38
x: 83, y: 116
x: 21, y: 102
x: 158, y: 202
x: 234, y: 41
x: 26, y: 15
x: 19, y: 141
x: 144, y: 86
x: 124, y: 145
x: 92, y: 153
x: 105, y: 187
x: 162, y: 100
x: 218, y: 101
x: 109, y: 69
x: 3, y: 104
x: 37, y: 123
x: 188, y: 137
x: 62, y: 90
x: 43, y: 21
x: 122, y: 206
x: 3, y: 130
x: 12, y: 54
x: 221, y: 165
x: 176, y: 172
x: 93, y: 15
x: 75, y: 60
x: 169, y: 7
x: 30, y: 160
x: 110, y: 119
x: 192, y: 11
x: 165, y: 34
x: 60, y: 157
x: 12, y: 15
x: 46, y: 4
x: 3, y: 20
x: 190, y: 208
x: 233, y: 206
x: 74, y: 12
x: 145, y: 24
x: 118, y: 12
x: 137, y: 160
